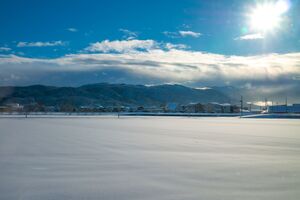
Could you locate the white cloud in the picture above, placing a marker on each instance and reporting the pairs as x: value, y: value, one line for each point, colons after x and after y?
x: 189, y: 34
x: 256, y: 36
x: 181, y: 34
x: 72, y: 29
x: 171, y: 34
x: 122, y: 46
x: 203, y: 88
x: 129, y: 35
x: 5, y: 49
x: 41, y: 44
x: 131, y: 46
x: 170, y: 46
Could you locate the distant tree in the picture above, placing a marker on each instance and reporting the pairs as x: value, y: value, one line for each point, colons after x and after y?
x: 67, y: 107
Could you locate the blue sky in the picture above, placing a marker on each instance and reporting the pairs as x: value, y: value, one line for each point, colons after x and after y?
x: 192, y: 42
x: 219, y: 22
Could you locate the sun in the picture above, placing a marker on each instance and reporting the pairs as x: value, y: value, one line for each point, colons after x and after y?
x: 268, y: 16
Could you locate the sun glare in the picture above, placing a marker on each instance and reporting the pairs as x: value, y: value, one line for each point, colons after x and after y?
x: 268, y: 16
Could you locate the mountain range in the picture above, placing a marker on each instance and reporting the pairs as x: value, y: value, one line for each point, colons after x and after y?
x: 109, y: 94
x: 106, y: 94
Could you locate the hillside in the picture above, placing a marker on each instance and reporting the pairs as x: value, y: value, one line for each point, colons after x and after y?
x: 109, y: 94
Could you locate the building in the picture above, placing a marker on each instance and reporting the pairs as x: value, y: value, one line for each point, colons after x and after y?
x: 153, y: 109
x: 221, y: 108
x: 226, y: 108
x: 208, y: 108
x: 193, y: 108
x: 14, y: 107
x: 295, y: 108
x: 4, y: 109
x: 277, y: 109
x: 171, y: 107
x: 213, y: 108
x: 91, y: 108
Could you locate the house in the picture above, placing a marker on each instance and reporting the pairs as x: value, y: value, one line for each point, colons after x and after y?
x: 154, y: 109
x: 4, y: 109
x: 14, y: 107
x: 91, y: 108
x: 213, y: 108
x: 193, y: 108
x: 226, y: 108
x: 235, y: 109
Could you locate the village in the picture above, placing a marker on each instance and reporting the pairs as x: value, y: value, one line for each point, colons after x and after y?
x: 212, y: 107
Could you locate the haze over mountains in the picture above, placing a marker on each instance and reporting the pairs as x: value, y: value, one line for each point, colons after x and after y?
x: 132, y: 95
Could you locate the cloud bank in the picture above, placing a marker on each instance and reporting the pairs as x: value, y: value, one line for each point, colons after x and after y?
x: 151, y: 62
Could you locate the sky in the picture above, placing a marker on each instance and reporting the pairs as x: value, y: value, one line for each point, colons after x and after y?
x: 249, y: 43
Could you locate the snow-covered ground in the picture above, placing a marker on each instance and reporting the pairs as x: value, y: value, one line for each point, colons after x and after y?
x: 164, y: 158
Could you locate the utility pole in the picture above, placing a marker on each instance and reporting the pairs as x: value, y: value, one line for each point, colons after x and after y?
x: 286, y: 105
x: 241, y: 107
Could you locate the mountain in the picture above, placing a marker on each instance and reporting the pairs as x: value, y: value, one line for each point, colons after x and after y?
x: 109, y: 94
x: 277, y: 95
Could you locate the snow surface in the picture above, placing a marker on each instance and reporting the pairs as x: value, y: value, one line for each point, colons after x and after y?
x: 164, y: 158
